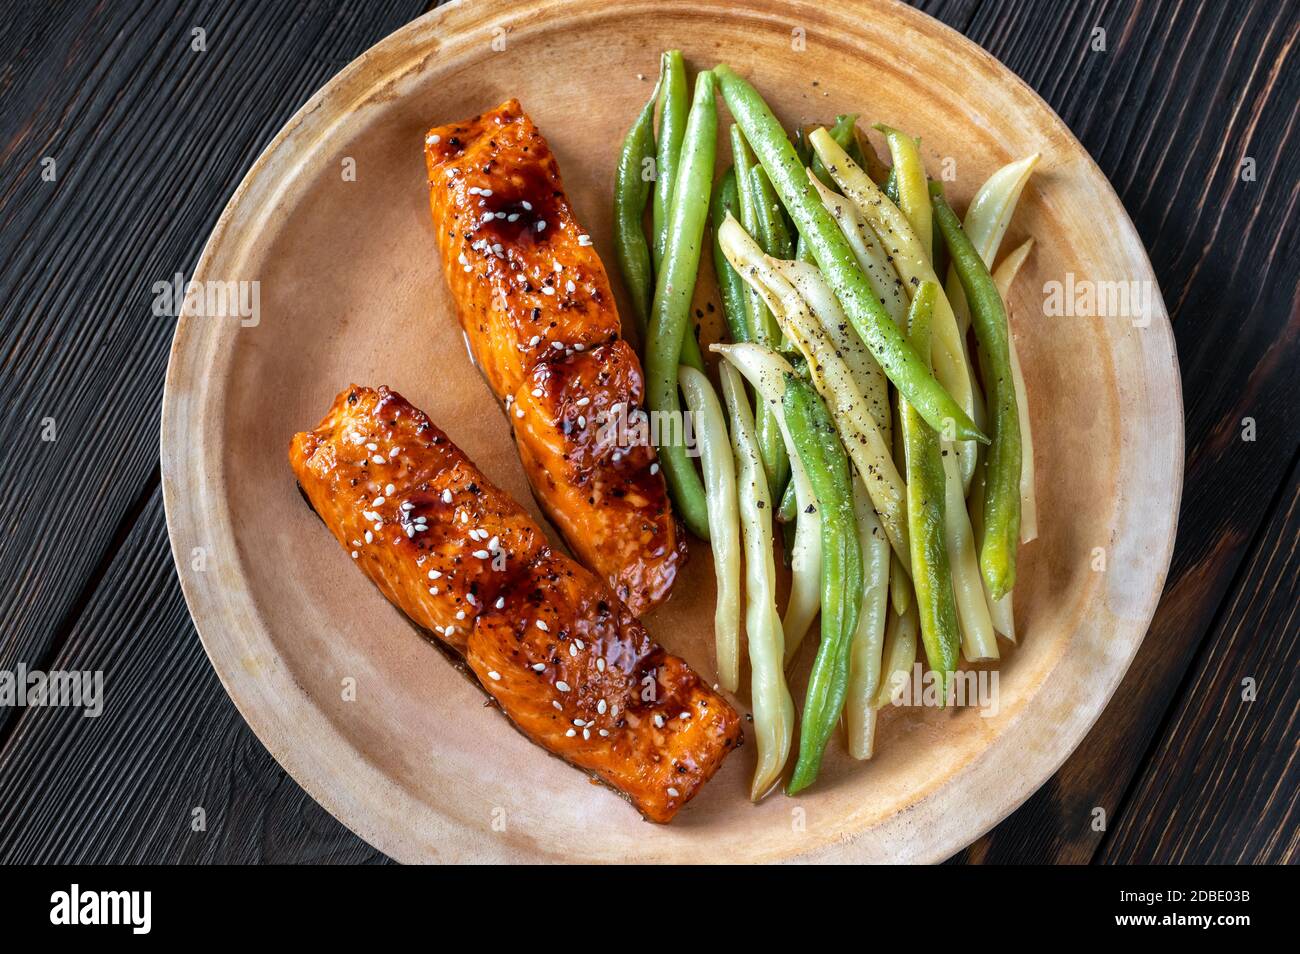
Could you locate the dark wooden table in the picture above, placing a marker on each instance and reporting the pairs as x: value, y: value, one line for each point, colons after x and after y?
x: 1191, y: 110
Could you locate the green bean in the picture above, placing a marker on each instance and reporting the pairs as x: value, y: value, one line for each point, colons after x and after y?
x: 726, y: 201
x: 845, y: 135
x: 869, y: 638
x: 673, y: 107
x: 773, y: 709
x: 899, y: 655
x: 724, y: 519
x: 938, y: 257
x: 898, y: 359
x: 631, y: 192
x: 772, y: 233
x: 766, y: 370
x: 909, y: 177
x: 1002, y: 469
x: 763, y: 328
x: 1003, y: 276
x: 789, y: 508
x: 670, y: 310
x: 931, y: 576
x: 827, y: 465
x: 762, y: 324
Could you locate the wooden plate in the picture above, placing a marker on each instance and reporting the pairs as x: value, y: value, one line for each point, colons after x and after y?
x: 372, y: 720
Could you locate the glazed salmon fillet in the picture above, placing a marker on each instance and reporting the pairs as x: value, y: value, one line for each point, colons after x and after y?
x: 535, y: 304
x: 563, y: 657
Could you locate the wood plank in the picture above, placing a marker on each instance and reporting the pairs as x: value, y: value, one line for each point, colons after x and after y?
x: 1223, y: 785
x: 123, y: 787
x: 1183, y: 94
x: 149, y: 138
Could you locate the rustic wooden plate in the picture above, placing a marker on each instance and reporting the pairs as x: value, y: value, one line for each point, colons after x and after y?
x: 372, y: 720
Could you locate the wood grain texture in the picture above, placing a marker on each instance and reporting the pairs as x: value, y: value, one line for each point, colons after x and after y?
x: 149, y: 138
x: 112, y: 91
x: 1223, y: 784
x: 126, y: 785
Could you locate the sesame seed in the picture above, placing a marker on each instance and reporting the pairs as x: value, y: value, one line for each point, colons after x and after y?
x: 519, y: 412
x: 586, y: 733
x: 460, y: 614
x: 684, y: 715
x: 604, y: 732
x: 541, y: 624
x: 377, y: 459
x: 580, y: 644
x: 379, y: 502
x: 659, y: 721
x: 579, y: 723
x: 573, y: 650
x: 528, y: 206
x: 562, y: 686
x: 584, y: 240
x: 582, y: 402
x: 600, y: 665
x: 557, y: 705
x: 481, y: 554
x: 370, y: 537
x: 493, y: 674
x: 450, y: 630
x: 434, y: 574
x: 540, y: 667
x: 537, y: 392
x: 571, y: 733
x: 434, y: 138
x: 389, y: 489
x: 548, y: 290
x: 569, y: 286
x: 500, y: 603
x: 372, y: 446
x: 534, y: 341
x: 446, y: 496
x: 673, y: 792
x: 601, y: 707
x: 355, y: 554
x: 654, y: 468
x: 541, y: 225
x: 433, y: 591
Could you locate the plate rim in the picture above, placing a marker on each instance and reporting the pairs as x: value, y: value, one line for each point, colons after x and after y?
x: 177, y: 492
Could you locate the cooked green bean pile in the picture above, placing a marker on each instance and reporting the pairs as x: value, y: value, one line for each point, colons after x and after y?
x: 873, y: 411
